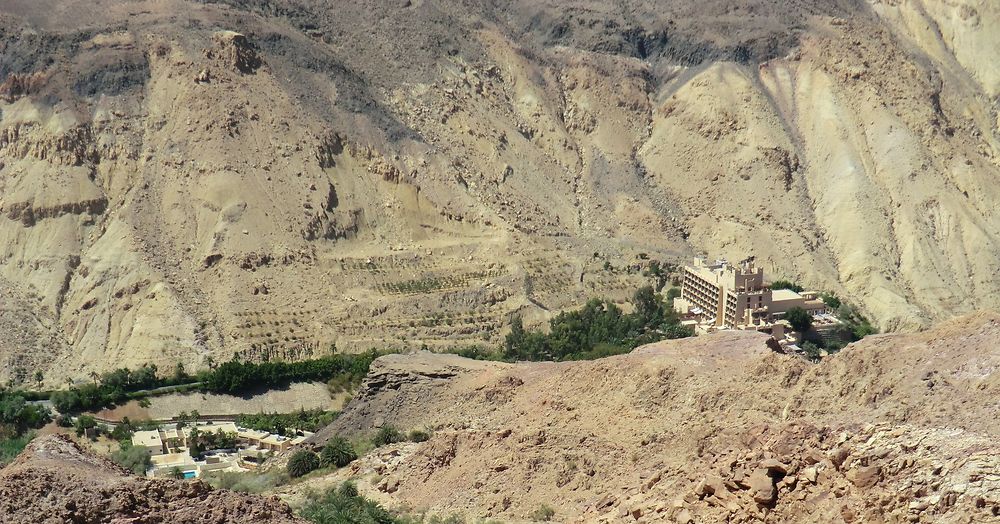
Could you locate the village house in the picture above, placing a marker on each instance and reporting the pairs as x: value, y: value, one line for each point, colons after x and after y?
x: 168, y: 447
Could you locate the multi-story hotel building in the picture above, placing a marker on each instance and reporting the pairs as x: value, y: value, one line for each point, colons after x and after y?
x: 735, y: 296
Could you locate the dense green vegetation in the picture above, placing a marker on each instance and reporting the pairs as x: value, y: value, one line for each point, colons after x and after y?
x: 108, y: 389
x: 303, y: 461
x: 83, y: 423
x: 231, y: 377
x: 17, y: 415
x: 307, y: 420
x: 236, y: 377
x: 10, y: 447
x: 344, y: 505
x: 17, y: 418
x: 598, y: 329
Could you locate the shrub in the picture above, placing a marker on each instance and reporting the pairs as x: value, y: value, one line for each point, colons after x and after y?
x: 302, y: 462
x: 83, y: 423
x: 419, y: 435
x: 855, y: 324
x: 133, y: 458
x: 811, y: 350
x: 543, y: 513
x: 784, y: 284
x: 338, y: 453
x: 799, y: 318
x: 387, y: 435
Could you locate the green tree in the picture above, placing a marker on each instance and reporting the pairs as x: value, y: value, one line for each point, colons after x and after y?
x: 648, y: 306
x: 133, y: 458
x: 337, y: 452
x: 799, y: 318
x: 176, y: 473
x: 302, y: 462
x: 83, y: 423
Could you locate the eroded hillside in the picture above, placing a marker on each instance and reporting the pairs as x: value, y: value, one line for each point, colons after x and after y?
x: 55, y: 480
x: 720, y: 428
x: 183, y: 179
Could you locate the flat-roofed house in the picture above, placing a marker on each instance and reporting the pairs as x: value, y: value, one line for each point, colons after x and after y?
x: 150, y: 441
x: 251, y: 437
x: 276, y: 443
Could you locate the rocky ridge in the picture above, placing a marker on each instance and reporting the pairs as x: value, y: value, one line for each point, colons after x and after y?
x: 896, y: 428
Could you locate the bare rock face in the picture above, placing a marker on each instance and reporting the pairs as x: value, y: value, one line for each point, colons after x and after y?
x: 464, y: 161
x: 236, y: 51
x: 54, y: 480
x: 711, y: 429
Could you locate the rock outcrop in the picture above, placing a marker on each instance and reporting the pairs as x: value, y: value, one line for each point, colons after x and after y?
x: 54, y: 480
x: 896, y: 428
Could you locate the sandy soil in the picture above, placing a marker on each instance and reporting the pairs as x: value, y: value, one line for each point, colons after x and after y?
x: 295, y: 397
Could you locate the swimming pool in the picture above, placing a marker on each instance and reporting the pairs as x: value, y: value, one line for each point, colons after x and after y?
x: 189, y: 474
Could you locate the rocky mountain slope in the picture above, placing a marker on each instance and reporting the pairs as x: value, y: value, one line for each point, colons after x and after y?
x: 185, y: 179
x: 720, y: 428
x: 54, y: 480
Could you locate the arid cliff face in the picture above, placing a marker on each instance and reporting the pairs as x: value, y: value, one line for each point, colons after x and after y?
x: 182, y: 180
x: 896, y: 428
